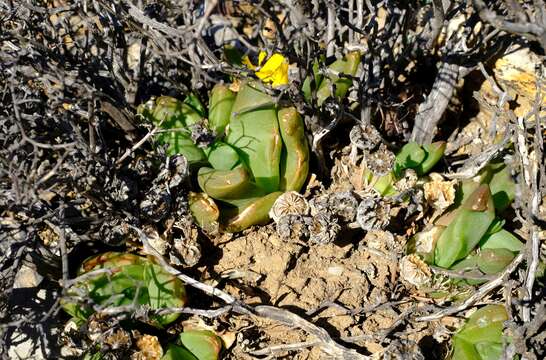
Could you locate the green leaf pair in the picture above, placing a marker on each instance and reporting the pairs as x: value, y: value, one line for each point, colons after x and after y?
x: 481, y: 337
x: 260, y: 151
x: 195, y: 345
x: 420, y: 158
x: 473, y: 238
x: 131, y: 280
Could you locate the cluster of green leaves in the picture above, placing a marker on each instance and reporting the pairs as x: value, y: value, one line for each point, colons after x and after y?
x: 336, y: 83
x: 260, y: 149
x: 471, y: 234
x: 130, y: 279
x: 481, y: 337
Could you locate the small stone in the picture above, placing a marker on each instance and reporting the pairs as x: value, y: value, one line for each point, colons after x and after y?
x: 27, y: 277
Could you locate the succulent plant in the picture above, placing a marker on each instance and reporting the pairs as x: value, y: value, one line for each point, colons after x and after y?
x: 332, y: 83
x: 132, y: 279
x: 259, y: 152
x: 469, y: 237
x: 481, y: 337
x: 247, y: 150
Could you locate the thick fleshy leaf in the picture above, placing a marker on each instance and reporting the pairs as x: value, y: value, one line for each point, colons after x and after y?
x: 228, y: 185
x: 295, y: 153
x: 204, y: 210
x: 502, y: 187
x: 410, y: 156
x: 221, y: 104
x: 255, y: 213
x: 434, y: 153
x: 467, y: 228
x: 222, y: 156
x: 348, y: 66
x: 173, y: 117
x: 485, y: 324
x: 308, y: 85
x: 493, y: 261
x: 489, y: 350
x: 502, y: 239
x: 385, y: 185
x: 464, y: 350
x: 254, y: 130
x: 175, y: 352
x: 203, y: 344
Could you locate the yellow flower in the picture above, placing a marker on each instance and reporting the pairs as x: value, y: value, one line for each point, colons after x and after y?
x: 274, y: 71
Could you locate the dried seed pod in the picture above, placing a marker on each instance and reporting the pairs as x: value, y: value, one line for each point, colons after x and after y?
x: 118, y: 339
x: 415, y: 271
x: 373, y: 214
x: 289, y: 203
x: 293, y: 226
x: 319, y: 205
x: 343, y: 205
x: 148, y: 347
x: 365, y: 137
x: 323, y: 229
x: 380, y: 162
x: 439, y: 193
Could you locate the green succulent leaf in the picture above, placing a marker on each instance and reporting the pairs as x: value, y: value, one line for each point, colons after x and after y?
x: 134, y: 280
x: 254, y: 130
x: 175, y: 352
x: 502, y: 239
x: 221, y: 104
x: 385, y: 185
x: 174, y: 116
x: 308, y: 85
x: 485, y: 325
x: 410, y: 156
x: 254, y: 212
x: 489, y: 350
x: 464, y: 350
x: 481, y: 337
x: 434, y: 153
x: 493, y: 261
x: 295, y: 153
x: 502, y: 187
x: 196, y: 105
x: 203, y: 344
x: 222, y: 156
x: 229, y: 186
x: 204, y: 210
x: 467, y: 228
